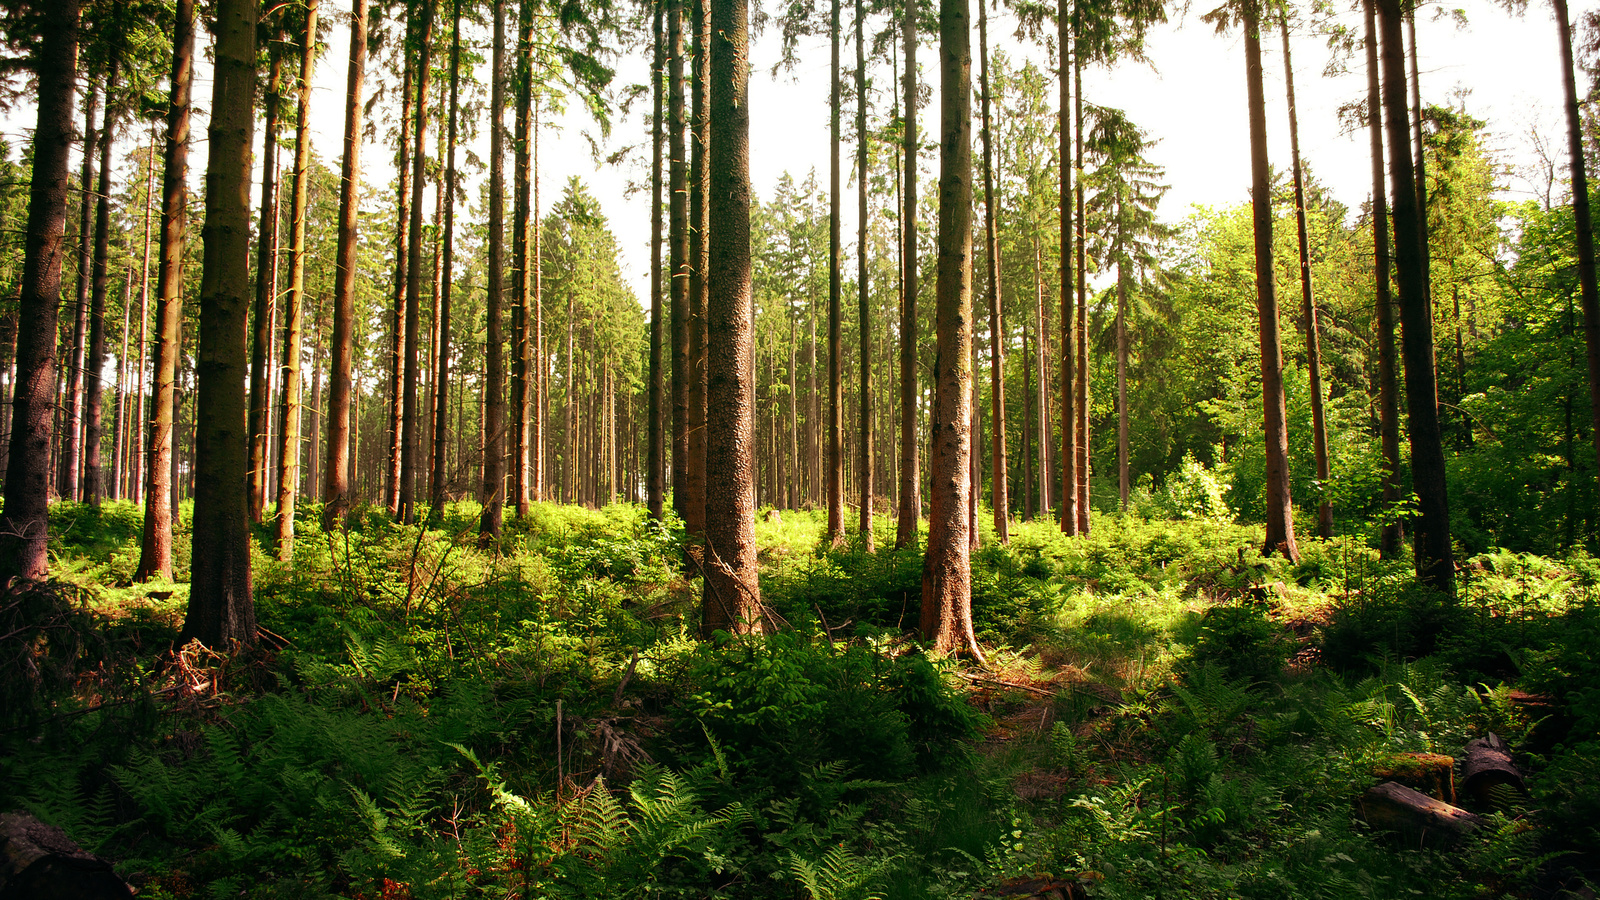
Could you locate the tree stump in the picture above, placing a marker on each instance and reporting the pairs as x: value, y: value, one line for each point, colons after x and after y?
x: 1488, y: 766
x: 39, y: 862
x: 1395, y: 807
x: 1428, y: 773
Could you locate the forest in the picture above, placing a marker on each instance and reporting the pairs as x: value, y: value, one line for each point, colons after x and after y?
x: 1025, y: 538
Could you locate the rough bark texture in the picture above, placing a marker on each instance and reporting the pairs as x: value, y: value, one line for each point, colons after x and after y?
x: 294, y: 312
x: 1069, y: 405
x: 1487, y: 772
x: 732, y: 599
x: 24, y: 525
x: 1280, y: 514
x: 1395, y: 807
x: 220, y: 606
x: 1388, y: 392
x: 494, y: 404
x: 411, y: 411
x: 699, y: 260
x: 266, y: 300
x: 336, y: 483
x: 654, y: 486
x: 1589, y: 295
x: 909, y: 514
x: 997, y: 334
x: 947, y: 564
x: 1435, y: 559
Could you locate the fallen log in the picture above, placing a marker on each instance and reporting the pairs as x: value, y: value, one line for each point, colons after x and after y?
x: 1487, y: 769
x: 1395, y: 807
x: 39, y: 862
x: 1430, y: 773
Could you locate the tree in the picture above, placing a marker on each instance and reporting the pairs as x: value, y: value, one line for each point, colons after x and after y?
x: 1069, y: 409
x: 221, y: 610
x: 1388, y: 393
x: 835, y: 532
x: 494, y: 406
x: 441, y: 376
x: 90, y: 487
x: 71, y: 438
x: 336, y: 485
x: 947, y: 565
x: 997, y: 341
x: 24, y: 524
x: 266, y: 306
x: 732, y: 598
x: 406, y: 511
x: 909, y: 514
x: 862, y: 286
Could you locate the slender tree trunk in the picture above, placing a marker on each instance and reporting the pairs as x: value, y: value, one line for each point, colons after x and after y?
x: 1083, y: 309
x: 678, y: 264
x: 835, y: 289
x: 1122, y: 387
x: 1435, y: 559
x: 698, y: 260
x: 120, y: 396
x: 294, y: 313
x: 533, y: 348
x: 862, y: 282
x: 1589, y: 296
x: 1388, y: 392
x: 71, y: 441
x: 909, y: 512
x: 266, y: 300
x: 1028, y: 413
x: 655, y: 462
x: 947, y: 564
x: 1280, y: 514
x: 1420, y: 151
x: 1319, y: 426
x: 221, y: 610
x: 997, y: 339
x: 93, y: 389
x: 407, y: 511
x: 336, y: 485
x: 494, y: 412
x: 1069, y: 406
x: 136, y: 424
x: 441, y: 378
x: 1043, y: 398
x: 24, y: 523
x: 522, y: 230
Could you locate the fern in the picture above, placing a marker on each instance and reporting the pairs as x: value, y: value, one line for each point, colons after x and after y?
x: 840, y: 874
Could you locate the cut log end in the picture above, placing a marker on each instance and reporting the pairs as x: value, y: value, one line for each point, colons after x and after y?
x: 39, y: 862
x: 1488, y: 771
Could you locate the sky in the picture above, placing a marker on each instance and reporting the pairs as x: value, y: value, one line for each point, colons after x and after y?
x: 1190, y: 99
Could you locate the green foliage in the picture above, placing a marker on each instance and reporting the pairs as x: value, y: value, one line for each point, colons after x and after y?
x: 1242, y: 641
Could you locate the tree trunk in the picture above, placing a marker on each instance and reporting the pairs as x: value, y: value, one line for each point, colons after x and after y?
x: 909, y: 512
x: 1435, y: 559
x: 494, y: 412
x: 119, y: 393
x: 1420, y: 155
x: 93, y: 390
x: 407, y: 511
x: 1043, y: 398
x: 24, y: 523
x: 266, y: 300
x: 1388, y: 392
x: 135, y: 472
x: 221, y: 610
x: 1122, y: 387
x: 655, y: 462
x: 732, y: 599
x: 1280, y: 514
x: 997, y: 335
x: 1069, y: 406
x: 71, y: 441
x: 1082, y: 487
x: 294, y: 312
x: 521, y: 233
x: 678, y: 265
x: 835, y: 532
x: 862, y: 283
x: 947, y: 565
x: 1319, y: 425
x: 441, y: 377
x: 533, y: 349
x: 698, y: 260
x: 1589, y: 296
x: 336, y: 485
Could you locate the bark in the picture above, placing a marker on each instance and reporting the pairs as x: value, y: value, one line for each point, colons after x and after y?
x: 533, y: 348
x: 337, y: 469
x: 835, y: 288
x: 71, y: 441
x: 699, y: 233
x: 1487, y: 770
x: 402, y: 241
x: 494, y: 412
x: 1388, y: 393
x: 1069, y: 405
x: 1122, y: 387
x: 1395, y: 807
x: 997, y: 339
x: 732, y: 600
x: 407, y: 511
x: 1319, y: 425
x: 655, y: 461
x: 135, y: 473
x: 220, y: 604
x: 119, y: 393
x: 93, y: 390
x: 294, y: 312
x: 441, y: 377
x: 40, y: 862
x: 678, y: 264
x: 1434, y: 557
x: 861, y: 279
x: 1082, y: 487
x: 24, y: 523
x: 1043, y: 398
x: 1589, y: 297
x: 947, y: 564
x: 1419, y: 151
x: 909, y: 512
x: 1280, y: 514
x: 266, y: 300
x: 521, y: 231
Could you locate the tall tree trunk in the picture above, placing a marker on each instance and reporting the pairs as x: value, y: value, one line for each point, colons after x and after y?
x: 835, y: 289
x: 94, y: 394
x: 494, y: 412
x: 1435, y: 559
x: 24, y: 523
x: 534, y: 363
x: 1069, y: 407
x: 135, y: 473
x: 119, y: 393
x: 699, y: 234
x: 947, y: 564
x: 1420, y: 156
x: 402, y: 241
x: 997, y: 338
x: 336, y: 485
x: 1280, y: 511
x: 1319, y: 426
x: 1043, y: 398
x: 1083, y: 307
x: 221, y: 610
x: 407, y: 511
x: 1589, y: 296
x: 294, y: 312
x: 155, y: 554
x: 266, y: 300
x: 1122, y: 387
x: 1388, y: 392
x: 72, y: 438
x: 441, y: 377
x: 732, y: 599
x: 1028, y: 413
x: 655, y: 454
x: 862, y: 283
x: 522, y: 231
x: 909, y: 512
x: 678, y: 265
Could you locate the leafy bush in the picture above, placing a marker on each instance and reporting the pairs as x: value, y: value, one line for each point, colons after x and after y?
x: 1242, y: 641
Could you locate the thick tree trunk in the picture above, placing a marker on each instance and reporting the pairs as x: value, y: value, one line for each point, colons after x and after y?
x: 1280, y: 513
x: 221, y: 610
x: 494, y: 411
x: 1069, y: 404
x: 732, y: 599
x: 862, y: 282
x: 336, y: 485
x: 1589, y: 296
x: 24, y: 524
x: 654, y: 486
x: 155, y: 555
x: 997, y: 334
x: 294, y: 312
x: 441, y: 377
x: 947, y: 565
x: 1388, y: 391
x: 407, y: 511
x: 909, y: 512
x: 90, y: 488
x: 266, y: 301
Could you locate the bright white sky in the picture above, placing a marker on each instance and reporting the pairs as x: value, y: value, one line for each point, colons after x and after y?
x: 1192, y: 102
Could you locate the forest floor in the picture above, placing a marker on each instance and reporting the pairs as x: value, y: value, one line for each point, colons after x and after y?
x: 1163, y: 712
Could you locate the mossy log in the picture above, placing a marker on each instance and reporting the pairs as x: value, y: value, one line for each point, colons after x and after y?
x: 39, y: 862
x: 1430, y: 773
